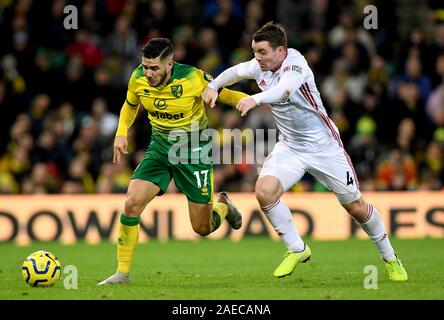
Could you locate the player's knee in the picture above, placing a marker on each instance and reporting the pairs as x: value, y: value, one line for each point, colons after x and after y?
x: 133, y: 207
x: 266, y: 193
x: 202, y: 229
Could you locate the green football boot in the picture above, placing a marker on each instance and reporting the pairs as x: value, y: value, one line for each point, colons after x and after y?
x: 291, y: 260
x: 396, y: 270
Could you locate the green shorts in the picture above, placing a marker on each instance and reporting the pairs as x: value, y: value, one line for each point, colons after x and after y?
x: 190, y: 166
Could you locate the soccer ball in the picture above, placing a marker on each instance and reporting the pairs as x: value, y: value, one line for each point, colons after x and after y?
x: 41, y: 269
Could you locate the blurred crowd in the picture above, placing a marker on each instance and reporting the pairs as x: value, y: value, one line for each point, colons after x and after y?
x: 61, y: 90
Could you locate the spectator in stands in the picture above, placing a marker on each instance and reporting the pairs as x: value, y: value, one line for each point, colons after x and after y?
x: 397, y: 172
x: 58, y: 87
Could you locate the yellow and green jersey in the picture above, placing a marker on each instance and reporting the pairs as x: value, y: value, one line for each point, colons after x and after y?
x: 174, y: 105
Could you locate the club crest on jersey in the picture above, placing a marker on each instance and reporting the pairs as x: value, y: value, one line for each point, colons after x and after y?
x: 208, y: 77
x: 177, y: 91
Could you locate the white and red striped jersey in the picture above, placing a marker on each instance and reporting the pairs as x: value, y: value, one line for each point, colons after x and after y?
x: 301, y: 118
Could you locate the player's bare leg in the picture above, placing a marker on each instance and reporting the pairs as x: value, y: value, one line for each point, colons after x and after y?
x: 370, y: 220
x: 268, y: 193
x: 201, y: 218
x: 140, y: 193
x: 206, y: 218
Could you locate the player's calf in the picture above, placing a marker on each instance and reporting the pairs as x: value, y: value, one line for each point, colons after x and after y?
x: 357, y: 209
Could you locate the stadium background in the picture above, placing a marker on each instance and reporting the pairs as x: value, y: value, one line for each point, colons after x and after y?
x: 61, y: 90
x: 60, y: 96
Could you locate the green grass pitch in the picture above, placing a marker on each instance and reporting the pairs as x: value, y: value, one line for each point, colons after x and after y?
x: 222, y: 269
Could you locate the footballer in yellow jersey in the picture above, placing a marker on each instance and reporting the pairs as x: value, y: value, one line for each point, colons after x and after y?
x: 174, y: 104
x: 171, y: 93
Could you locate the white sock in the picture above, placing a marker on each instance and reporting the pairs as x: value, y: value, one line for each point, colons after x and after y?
x: 374, y: 227
x: 281, y: 219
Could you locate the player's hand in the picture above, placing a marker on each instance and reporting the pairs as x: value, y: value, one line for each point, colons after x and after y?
x: 209, y: 97
x: 246, y: 104
x: 120, y: 147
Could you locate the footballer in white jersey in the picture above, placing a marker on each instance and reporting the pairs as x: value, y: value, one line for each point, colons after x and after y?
x: 309, y: 142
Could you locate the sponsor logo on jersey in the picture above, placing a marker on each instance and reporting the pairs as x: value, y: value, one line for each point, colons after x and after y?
x: 293, y: 68
x: 160, y: 104
x: 177, y: 90
x: 166, y: 115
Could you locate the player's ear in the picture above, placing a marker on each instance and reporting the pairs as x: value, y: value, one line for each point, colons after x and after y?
x: 170, y: 61
x: 281, y: 50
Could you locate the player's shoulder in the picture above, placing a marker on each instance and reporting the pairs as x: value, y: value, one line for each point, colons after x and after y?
x: 295, y: 62
x: 137, y: 73
x: 184, y: 71
x: 295, y: 56
x: 249, y: 68
x: 181, y: 71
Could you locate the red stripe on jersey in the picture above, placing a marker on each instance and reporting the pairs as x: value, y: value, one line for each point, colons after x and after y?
x: 324, y: 117
x: 305, y: 90
x: 307, y: 95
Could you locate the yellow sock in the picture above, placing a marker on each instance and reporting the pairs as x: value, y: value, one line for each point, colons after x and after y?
x: 126, y: 242
x: 220, y: 210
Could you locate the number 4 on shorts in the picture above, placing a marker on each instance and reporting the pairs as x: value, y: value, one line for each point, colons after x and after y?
x: 349, y: 178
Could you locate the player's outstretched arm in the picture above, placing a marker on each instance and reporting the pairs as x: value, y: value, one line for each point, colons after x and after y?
x: 120, y: 147
x: 228, y: 77
x: 246, y: 104
x: 283, y: 90
x: 209, y: 96
x: 231, y: 97
x: 127, y: 116
x: 286, y: 87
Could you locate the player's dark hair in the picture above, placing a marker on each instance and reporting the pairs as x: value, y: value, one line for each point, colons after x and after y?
x: 157, y: 47
x: 272, y: 32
